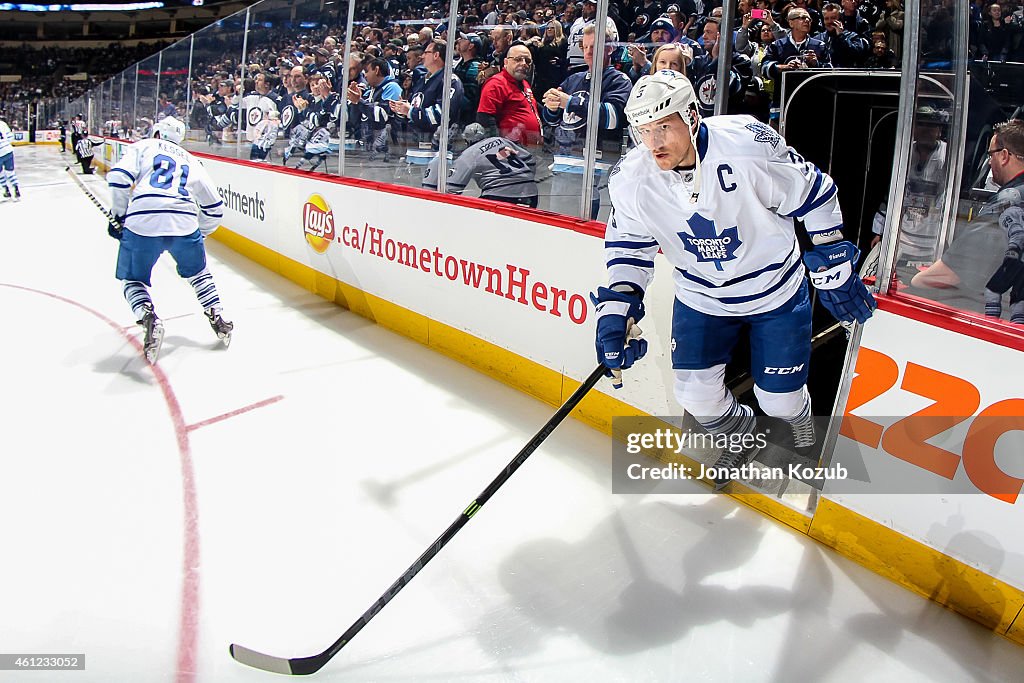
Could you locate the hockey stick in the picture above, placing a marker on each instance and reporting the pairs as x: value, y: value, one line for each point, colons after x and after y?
x: 110, y: 218
x: 309, y: 665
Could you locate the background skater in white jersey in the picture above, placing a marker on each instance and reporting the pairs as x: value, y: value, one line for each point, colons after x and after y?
x: 166, y: 201
x: 719, y: 197
x: 7, y: 176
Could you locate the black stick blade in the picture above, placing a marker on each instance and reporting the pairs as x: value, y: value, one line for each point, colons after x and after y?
x: 279, y: 665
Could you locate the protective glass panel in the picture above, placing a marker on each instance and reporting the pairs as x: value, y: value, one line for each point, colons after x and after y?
x: 495, y: 138
x: 129, y: 106
x: 173, y: 97
x: 568, y: 118
x: 291, y: 104
x: 269, y: 61
x: 394, y: 100
x: 146, y: 96
x: 217, y: 56
x: 979, y: 268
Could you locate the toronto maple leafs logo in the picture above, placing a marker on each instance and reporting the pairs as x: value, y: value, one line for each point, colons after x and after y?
x: 707, y: 244
x: 763, y: 133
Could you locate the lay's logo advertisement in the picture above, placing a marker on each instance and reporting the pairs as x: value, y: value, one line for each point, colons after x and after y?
x: 318, y: 223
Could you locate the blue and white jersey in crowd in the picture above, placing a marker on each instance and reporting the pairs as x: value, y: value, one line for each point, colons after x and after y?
x: 6, y: 139
x: 735, y: 250
x: 162, y: 190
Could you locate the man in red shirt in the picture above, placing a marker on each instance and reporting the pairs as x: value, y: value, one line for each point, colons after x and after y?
x: 507, y: 105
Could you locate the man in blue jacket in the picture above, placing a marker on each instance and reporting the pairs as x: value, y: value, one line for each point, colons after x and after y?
x: 567, y: 107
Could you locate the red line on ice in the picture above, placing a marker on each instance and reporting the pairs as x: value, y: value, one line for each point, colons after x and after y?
x: 234, y: 413
x: 188, y: 626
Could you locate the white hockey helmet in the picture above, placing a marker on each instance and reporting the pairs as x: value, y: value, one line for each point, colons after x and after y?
x: 662, y: 94
x: 170, y: 129
x: 659, y: 94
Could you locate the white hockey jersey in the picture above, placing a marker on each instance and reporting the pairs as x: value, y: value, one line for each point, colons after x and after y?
x: 162, y: 190
x: 735, y: 250
x: 6, y: 139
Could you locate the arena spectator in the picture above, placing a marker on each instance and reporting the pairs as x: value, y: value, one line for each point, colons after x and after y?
x: 424, y: 109
x: 370, y: 107
x: 467, y: 68
x: 848, y: 49
x: 852, y: 20
x: 551, y: 59
x: 797, y: 50
x: 996, y: 34
x: 507, y: 105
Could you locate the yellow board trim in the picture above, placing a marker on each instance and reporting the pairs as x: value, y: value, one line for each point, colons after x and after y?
x: 926, y: 571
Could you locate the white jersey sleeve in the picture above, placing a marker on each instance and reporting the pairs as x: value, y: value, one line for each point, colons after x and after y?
x: 801, y: 190
x: 629, y: 250
x: 162, y: 190
x: 6, y: 139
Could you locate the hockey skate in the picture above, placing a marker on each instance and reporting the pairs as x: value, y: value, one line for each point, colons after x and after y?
x: 154, y: 335
x: 221, y: 327
x: 17, y: 194
x: 731, y: 460
x: 7, y: 194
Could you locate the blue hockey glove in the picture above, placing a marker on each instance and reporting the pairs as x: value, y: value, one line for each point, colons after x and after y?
x: 616, y: 311
x: 1009, y: 273
x: 831, y: 267
x: 117, y: 231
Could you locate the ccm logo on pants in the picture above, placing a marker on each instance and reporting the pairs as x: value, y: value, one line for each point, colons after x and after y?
x: 784, y: 371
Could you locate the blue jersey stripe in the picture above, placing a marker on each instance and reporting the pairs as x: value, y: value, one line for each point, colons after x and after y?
x: 160, y: 196
x: 121, y: 170
x: 122, y: 186
x: 624, y: 244
x: 143, y: 213
x: 825, y: 198
x: 811, y: 196
x: 761, y: 295
x: 736, y: 280
x: 211, y: 206
x: 630, y: 262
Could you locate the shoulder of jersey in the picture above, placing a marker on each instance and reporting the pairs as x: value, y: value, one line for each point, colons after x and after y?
x: 741, y: 136
x: 632, y: 169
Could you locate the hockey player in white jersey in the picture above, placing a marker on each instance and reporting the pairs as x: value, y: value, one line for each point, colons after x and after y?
x: 165, y: 201
x: 7, y: 176
x: 719, y: 197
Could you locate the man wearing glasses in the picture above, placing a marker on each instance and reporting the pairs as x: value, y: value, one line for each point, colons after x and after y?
x: 507, y: 105
x: 990, y: 246
x: 796, y: 50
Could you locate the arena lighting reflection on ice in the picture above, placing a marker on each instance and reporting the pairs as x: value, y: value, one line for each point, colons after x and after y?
x: 123, y: 7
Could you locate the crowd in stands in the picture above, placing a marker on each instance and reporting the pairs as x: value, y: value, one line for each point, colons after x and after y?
x: 519, y: 65
x: 43, y: 70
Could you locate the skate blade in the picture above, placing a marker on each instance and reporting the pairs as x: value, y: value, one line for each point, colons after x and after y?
x: 226, y: 340
x: 152, y: 351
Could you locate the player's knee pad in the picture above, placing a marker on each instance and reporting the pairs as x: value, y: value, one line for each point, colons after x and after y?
x: 785, y: 405
x: 702, y: 393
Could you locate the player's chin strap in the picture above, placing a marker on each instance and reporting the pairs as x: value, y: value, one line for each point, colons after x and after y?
x: 693, y: 127
x: 632, y: 332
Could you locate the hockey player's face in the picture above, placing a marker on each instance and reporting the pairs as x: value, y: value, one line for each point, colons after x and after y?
x: 669, y: 141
